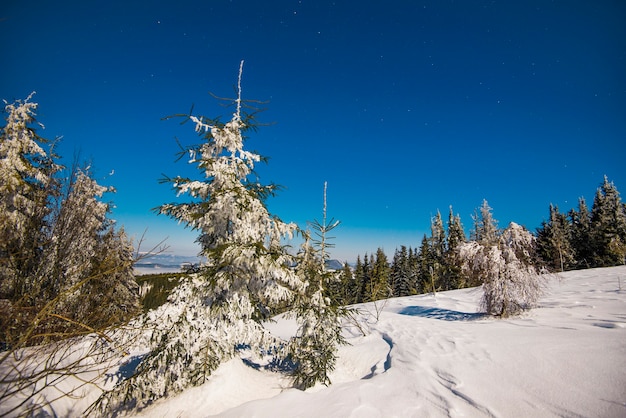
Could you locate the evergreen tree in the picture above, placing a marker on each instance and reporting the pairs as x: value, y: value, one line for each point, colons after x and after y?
x: 456, y: 237
x: 486, y: 234
x: 396, y: 271
x: 111, y: 294
x: 246, y: 276
x: 485, y: 226
x: 75, y: 233
x: 438, y: 237
x: 426, y: 264
x: 554, y: 241
x: 314, y: 348
x: 456, y: 234
x: 359, y: 280
x: 26, y: 186
x: 87, y: 260
x: 437, y: 252
x: 608, y: 226
x: 51, y: 241
x: 380, y: 287
x: 414, y: 270
x: 64, y: 271
x: 365, y: 279
x: 580, y: 221
x: 401, y: 276
x: 347, y: 293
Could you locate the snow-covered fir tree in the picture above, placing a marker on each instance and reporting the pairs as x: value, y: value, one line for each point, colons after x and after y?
x: 511, y: 282
x: 456, y: 234
x: 485, y: 226
x: 348, y: 285
x: 73, y: 242
x: 247, y: 274
x: 86, y: 263
x: 608, y: 226
x: 51, y: 228
x: 380, y: 283
x: 111, y: 294
x: 54, y: 284
x: 26, y: 184
x: 454, y: 278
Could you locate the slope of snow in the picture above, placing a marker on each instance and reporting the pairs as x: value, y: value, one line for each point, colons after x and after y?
x: 435, y: 356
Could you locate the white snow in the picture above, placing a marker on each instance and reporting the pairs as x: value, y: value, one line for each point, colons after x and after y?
x: 427, y: 356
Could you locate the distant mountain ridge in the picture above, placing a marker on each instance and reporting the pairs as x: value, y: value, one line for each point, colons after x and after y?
x: 165, y: 263
x: 168, y: 263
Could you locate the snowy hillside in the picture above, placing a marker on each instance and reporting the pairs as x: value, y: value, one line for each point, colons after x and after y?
x: 435, y: 356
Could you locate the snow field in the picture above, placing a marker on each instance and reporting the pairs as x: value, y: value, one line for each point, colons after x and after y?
x: 427, y: 356
x: 435, y: 356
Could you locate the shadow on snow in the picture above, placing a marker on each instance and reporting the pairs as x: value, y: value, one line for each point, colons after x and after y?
x: 439, y: 313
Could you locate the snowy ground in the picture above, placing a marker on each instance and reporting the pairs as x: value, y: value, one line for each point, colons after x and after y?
x: 425, y: 356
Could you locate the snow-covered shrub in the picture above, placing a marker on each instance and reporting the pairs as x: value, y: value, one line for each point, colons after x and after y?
x: 511, y: 282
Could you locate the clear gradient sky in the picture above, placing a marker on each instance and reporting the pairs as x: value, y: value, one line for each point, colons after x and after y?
x: 403, y: 107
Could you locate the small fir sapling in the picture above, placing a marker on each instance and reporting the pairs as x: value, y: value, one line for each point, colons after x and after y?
x: 314, y: 348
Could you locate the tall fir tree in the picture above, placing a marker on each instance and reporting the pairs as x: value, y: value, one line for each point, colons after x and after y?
x: 437, y: 252
x: 365, y: 279
x: 81, y: 217
x: 414, y: 270
x: 111, y: 295
x: 359, y: 280
x: 580, y: 221
x: 348, y: 289
x: 51, y: 233
x: 554, y: 240
x: 426, y: 264
x: 456, y: 233
x: 87, y: 260
x: 456, y: 237
x: 380, y: 287
x: 64, y: 271
x: 608, y: 226
x: 246, y: 275
x: 27, y: 184
x: 485, y: 226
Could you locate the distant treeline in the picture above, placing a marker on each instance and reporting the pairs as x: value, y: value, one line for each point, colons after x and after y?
x: 155, y: 288
x: 580, y: 238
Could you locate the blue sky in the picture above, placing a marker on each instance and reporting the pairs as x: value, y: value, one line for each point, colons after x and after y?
x: 403, y: 107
